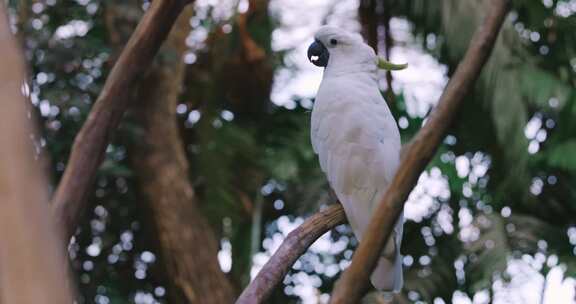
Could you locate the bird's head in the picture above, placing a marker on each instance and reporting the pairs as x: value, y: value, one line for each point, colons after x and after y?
x: 335, y: 46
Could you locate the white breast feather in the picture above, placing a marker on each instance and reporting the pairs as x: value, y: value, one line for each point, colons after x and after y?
x: 358, y: 145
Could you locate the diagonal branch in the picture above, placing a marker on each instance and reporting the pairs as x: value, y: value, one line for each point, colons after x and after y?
x: 415, y: 157
x: 349, y: 287
x: 295, y: 244
x: 69, y: 201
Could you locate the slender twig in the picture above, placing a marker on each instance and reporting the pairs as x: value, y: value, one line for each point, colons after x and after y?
x: 349, y: 287
x: 293, y: 246
x: 87, y: 154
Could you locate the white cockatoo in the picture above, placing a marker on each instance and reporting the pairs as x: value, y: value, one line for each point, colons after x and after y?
x: 356, y: 137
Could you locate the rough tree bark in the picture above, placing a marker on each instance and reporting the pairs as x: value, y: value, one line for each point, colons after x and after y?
x: 348, y: 288
x: 32, y: 260
x: 69, y: 201
x: 188, y: 245
x: 416, y: 156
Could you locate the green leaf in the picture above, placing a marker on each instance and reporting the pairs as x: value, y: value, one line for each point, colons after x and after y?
x: 562, y: 155
x: 538, y: 86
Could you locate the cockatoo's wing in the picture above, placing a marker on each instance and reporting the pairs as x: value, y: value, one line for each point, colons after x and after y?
x: 356, y: 139
x: 358, y: 144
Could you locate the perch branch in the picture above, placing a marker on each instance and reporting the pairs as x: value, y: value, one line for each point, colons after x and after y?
x: 295, y: 244
x: 348, y: 288
x: 90, y: 144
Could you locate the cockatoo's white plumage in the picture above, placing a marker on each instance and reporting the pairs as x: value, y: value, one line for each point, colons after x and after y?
x: 356, y: 138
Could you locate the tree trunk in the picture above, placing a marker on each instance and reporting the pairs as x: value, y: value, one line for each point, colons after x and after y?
x: 188, y: 246
x: 368, y: 16
x: 32, y: 264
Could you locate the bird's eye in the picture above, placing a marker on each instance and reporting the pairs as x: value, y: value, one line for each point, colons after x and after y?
x: 333, y: 41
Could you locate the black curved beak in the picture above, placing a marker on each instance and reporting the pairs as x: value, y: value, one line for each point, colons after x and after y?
x: 318, y: 54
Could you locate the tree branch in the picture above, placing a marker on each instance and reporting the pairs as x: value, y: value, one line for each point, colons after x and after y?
x: 188, y: 245
x: 295, y: 244
x: 348, y: 288
x: 368, y: 15
x: 415, y: 157
x: 69, y: 201
x: 32, y: 263
x: 388, y: 43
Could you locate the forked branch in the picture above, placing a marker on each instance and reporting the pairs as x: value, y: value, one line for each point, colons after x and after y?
x: 90, y: 144
x: 416, y: 155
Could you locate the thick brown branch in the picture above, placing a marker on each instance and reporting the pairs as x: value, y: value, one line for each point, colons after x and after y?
x: 32, y: 263
x: 69, y: 201
x: 293, y: 246
x: 349, y: 288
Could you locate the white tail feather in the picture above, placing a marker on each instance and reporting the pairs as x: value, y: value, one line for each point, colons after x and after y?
x: 387, y: 275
